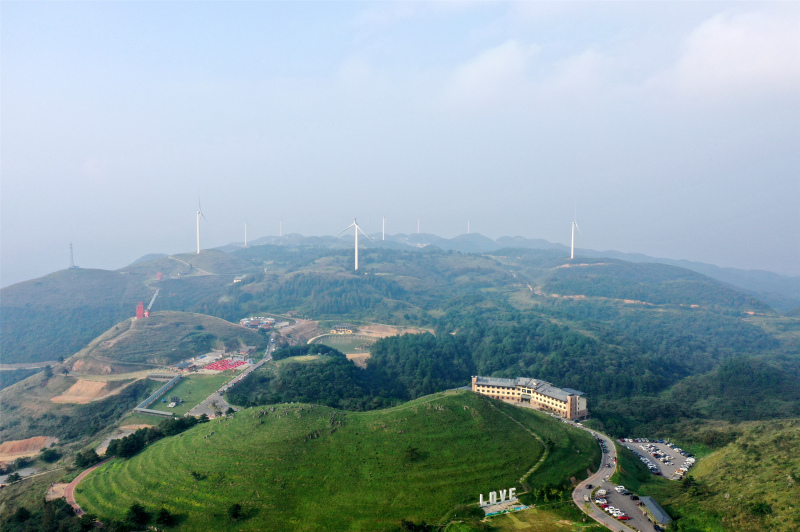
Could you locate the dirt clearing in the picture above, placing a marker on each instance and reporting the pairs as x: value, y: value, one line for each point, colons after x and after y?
x: 381, y: 331
x: 13, y: 449
x: 84, y: 391
x: 359, y: 359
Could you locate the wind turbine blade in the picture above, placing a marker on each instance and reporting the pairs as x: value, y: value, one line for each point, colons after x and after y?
x: 578, y: 228
x: 365, y: 234
x: 346, y: 228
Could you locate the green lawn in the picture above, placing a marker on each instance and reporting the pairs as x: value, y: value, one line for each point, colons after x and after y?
x: 192, y: 390
x: 347, y: 343
x: 306, y: 467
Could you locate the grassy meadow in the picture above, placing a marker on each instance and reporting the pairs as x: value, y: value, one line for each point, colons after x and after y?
x: 350, y: 343
x: 192, y: 390
x: 306, y: 467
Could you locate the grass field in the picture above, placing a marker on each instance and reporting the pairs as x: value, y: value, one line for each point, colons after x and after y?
x: 561, y: 517
x: 350, y: 343
x: 192, y: 390
x: 305, y: 467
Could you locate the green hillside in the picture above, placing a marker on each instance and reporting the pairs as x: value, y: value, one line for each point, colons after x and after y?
x: 304, y: 467
x: 163, y: 338
x: 26, y: 409
x: 209, y: 261
x: 750, y: 484
x: 652, y: 283
x: 56, y: 315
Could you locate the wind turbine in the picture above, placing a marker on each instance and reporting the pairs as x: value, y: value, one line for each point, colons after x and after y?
x: 574, y: 225
x: 383, y: 228
x: 355, y: 224
x: 245, y: 231
x: 199, y: 214
x: 467, y: 225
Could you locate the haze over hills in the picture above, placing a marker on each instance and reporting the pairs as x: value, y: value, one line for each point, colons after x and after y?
x: 656, y: 347
x: 779, y: 291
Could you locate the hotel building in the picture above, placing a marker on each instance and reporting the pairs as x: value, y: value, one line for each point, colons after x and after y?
x: 565, y: 402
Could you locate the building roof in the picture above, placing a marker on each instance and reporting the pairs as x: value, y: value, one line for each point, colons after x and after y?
x: 656, y: 510
x: 545, y: 388
x: 539, y: 386
x: 573, y: 391
x: 496, y: 381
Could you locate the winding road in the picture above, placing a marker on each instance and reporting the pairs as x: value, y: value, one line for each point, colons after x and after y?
x: 600, y: 479
x: 69, y: 493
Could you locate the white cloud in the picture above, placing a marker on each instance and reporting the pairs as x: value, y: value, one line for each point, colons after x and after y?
x: 492, y: 77
x: 576, y: 77
x: 736, y: 52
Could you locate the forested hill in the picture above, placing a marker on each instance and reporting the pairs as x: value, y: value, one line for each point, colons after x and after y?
x: 57, y: 315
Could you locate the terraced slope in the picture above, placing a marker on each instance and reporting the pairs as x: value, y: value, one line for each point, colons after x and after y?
x: 304, y: 467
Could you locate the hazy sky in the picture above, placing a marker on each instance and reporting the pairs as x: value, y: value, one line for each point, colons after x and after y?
x: 672, y: 128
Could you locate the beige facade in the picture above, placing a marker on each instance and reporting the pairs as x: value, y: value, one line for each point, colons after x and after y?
x: 565, y: 402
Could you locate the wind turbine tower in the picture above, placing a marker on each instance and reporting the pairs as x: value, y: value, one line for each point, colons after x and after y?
x: 383, y: 228
x: 245, y: 232
x: 572, y: 247
x: 199, y: 214
x: 467, y: 225
x: 357, y: 229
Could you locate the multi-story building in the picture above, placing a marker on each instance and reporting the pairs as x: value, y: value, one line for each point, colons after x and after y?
x: 565, y: 402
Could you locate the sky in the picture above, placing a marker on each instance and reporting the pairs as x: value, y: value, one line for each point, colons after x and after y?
x: 665, y: 128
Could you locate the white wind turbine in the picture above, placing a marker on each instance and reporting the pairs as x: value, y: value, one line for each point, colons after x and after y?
x: 199, y: 214
x: 355, y: 224
x: 245, y: 231
x: 574, y: 226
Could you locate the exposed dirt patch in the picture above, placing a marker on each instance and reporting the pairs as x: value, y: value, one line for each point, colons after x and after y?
x: 381, y: 331
x: 56, y: 491
x: 85, y: 391
x: 13, y: 449
x: 359, y: 359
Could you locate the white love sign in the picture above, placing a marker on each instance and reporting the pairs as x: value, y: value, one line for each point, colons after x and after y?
x: 493, y: 499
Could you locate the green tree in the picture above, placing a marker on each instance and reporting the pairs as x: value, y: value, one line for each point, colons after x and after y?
x: 235, y: 511
x: 137, y: 515
x: 164, y: 518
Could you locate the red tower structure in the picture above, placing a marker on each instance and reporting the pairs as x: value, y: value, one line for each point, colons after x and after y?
x: 140, y: 310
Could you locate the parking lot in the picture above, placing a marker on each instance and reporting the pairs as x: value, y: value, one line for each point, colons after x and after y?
x: 663, y: 458
x: 621, y: 500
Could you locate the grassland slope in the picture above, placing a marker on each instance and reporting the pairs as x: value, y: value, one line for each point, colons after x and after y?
x: 306, y: 467
x: 163, y: 338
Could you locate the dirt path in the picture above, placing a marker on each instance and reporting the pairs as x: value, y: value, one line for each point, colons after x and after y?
x: 69, y: 492
x: 545, y: 452
x: 202, y: 272
x: 32, y: 365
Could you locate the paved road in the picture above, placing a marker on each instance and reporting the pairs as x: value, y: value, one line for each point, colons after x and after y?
x: 623, y: 502
x: 69, y: 493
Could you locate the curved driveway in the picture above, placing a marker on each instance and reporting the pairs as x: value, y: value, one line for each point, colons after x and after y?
x: 69, y: 493
x: 600, y: 479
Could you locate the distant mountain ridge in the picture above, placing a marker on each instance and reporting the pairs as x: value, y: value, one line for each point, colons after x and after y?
x: 781, y: 292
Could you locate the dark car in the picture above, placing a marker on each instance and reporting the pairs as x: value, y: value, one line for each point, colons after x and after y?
x: 588, y: 486
x: 634, y: 497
